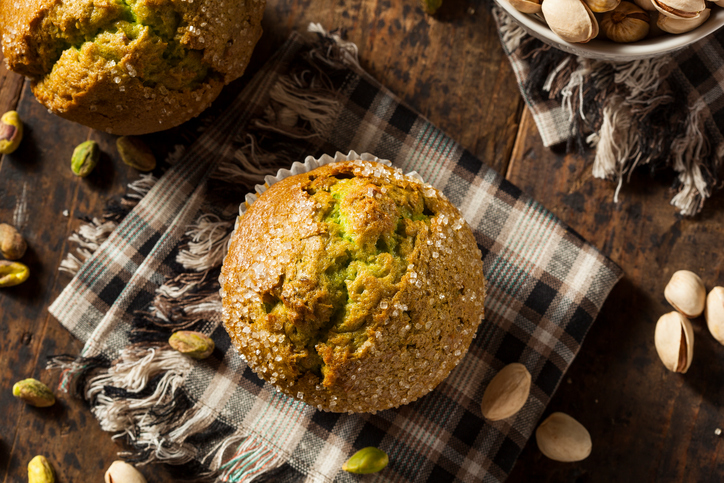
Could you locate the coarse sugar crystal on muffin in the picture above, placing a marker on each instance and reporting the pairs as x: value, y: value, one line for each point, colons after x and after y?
x: 352, y: 287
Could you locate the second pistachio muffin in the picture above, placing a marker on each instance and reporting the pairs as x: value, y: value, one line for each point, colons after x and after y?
x: 352, y: 287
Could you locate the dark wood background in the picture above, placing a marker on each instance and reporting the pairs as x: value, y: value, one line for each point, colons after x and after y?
x: 647, y: 424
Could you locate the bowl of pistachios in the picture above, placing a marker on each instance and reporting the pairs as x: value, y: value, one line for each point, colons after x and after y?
x: 617, y: 30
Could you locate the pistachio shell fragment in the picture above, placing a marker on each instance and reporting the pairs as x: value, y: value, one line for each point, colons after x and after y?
x: 506, y: 393
x: 192, y: 344
x: 34, y: 393
x: 12, y: 244
x: 601, y: 6
x: 85, y: 158
x: 40, y: 471
x: 12, y: 273
x: 685, y: 291
x: 562, y: 438
x: 714, y: 313
x: 367, y: 460
x: 527, y: 6
x: 571, y: 20
x: 11, y: 132
x: 674, y: 341
x: 682, y: 25
x: 135, y: 153
x: 627, y: 23
x: 680, y: 8
x: 122, y: 472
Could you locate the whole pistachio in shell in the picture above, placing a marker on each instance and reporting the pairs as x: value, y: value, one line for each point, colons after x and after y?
x: 601, y: 6
x: 571, y: 20
x: 682, y: 25
x: 12, y: 244
x: 122, y: 472
x: 680, y: 8
x: 714, y: 313
x: 685, y: 291
x: 562, y: 438
x: 527, y: 6
x: 627, y: 23
x: 506, y: 393
x: 674, y: 341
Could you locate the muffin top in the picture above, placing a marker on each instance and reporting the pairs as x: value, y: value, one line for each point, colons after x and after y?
x: 352, y: 287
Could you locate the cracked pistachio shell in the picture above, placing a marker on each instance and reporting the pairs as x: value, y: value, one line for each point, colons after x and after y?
x: 571, y: 20
x: 506, y: 393
x: 674, y: 341
x: 527, y: 6
x: 682, y: 25
x: 627, y: 23
x: 12, y: 273
x: 714, y: 313
x: 685, y: 291
x: 122, y: 472
x: 34, y: 393
x: 367, y: 460
x: 192, y: 344
x: 40, y: 471
x: 135, y: 153
x: 562, y: 438
x: 85, y: 158
x: 680, y: 8
x: 11, y: 132
x: 601, y: 6
x: 12, y: 244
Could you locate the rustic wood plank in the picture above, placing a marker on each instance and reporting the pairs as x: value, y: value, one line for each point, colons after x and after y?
x: 647, y: 424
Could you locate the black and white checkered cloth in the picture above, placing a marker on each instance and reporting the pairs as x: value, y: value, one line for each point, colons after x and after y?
x: 546, y: 286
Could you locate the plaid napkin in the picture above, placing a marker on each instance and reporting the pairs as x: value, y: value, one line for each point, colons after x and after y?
x: 157, y: 272
x: 664, y: 112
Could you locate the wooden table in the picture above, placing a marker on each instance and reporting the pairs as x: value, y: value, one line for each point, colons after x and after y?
x: 647, y: 424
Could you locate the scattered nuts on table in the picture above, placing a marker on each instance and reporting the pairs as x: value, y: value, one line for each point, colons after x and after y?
x: 122, y: 472
x: 674, y: 341
x: 626, y: 23
x: 11, y: 132
x: 12, y: 244
x: 506, y: 393
x: 12, y: 273
x: 192, y: 344
x: 367, y: 460
x: 34, y: 393
x: 40, y: 471
x: 686, y: 293
x: 135, y: 153
x: 85, y: 158
x: 562, y: 438
x: 714, y: 313
x: 571, y: 20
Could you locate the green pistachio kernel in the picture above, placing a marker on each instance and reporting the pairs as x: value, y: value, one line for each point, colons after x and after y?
x: 192, y: 344
x: 367, y: 460
x: 12, y: 273
x: 11, y: 132
x: 34, y: 393
x: 40, y: 471
x: 135, y: 153
x: 85, y: 158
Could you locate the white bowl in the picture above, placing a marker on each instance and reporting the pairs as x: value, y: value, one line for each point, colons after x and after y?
x: 607, y: 50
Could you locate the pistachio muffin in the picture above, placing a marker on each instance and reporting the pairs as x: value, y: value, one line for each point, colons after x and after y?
x: 352, y: 287
x: 129, y: 66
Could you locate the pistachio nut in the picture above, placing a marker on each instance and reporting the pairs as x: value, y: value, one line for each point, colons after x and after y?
x: 367, y: 460
x: 40, y: 471
x: 430, y: 6
x: 11, y: 132
x: 12, y: 273
x: 680, y: 8
x: 562, y: 438
x: 527, y: 6
x: 674, y: 341
x: 193, y: 344
x: 12, y: 244
x: 135, y: 153
x: 601, y: 6
x: 682, y: 25
x: 85, y: 158
x: 34, y: 393
x: 714, y: 313
x: 506, y: 393
x: 627, y: 23
x: 571, y: 20
x: 685, y: 291
x: 122, y: 472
